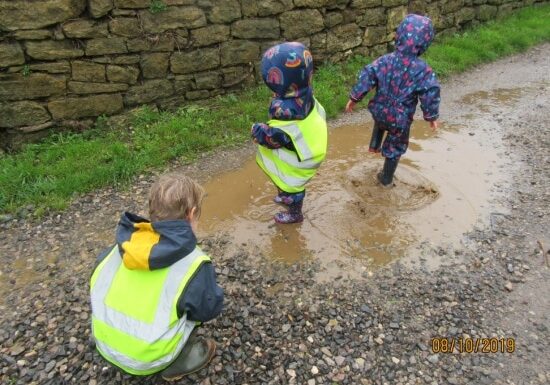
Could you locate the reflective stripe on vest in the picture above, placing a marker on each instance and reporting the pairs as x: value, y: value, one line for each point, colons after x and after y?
x: 275, y: 171
x: 291, y: 170
x: 165, y: 335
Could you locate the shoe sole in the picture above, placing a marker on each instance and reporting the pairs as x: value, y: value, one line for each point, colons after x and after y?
x: 212, y: 353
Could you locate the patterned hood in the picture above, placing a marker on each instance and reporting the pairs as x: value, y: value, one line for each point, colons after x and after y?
x: 414, y: 35
x: 149, y: 246
x: 287, y: 69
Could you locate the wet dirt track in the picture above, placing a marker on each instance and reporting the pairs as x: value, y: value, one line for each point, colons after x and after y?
x: 485, y: 173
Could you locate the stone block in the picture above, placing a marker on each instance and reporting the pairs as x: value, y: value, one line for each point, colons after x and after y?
x: 266, y: 28
x: 301, y: 23
x: 344, y: 37
x: 22, y: 113
x: 374, y: 36
x: 18, y: 14
x: 106, y: 46
x: 122, y: 74
x: 61, y: 67
x: 233, y: 76
x: 239, y: 52
x: 224, y: 11
x: 311, y: 3
x: 395, y: 16
x: 132, y: 3
x: 208, y: 80
x: 211, y: 34
x: 84, y: 29
x: 32, y: 34
x: 394, y: 3
x: 155, y: 43
x: 19, y: 87
x: 195, y: 95
x: 86, y: 71
x: 126, y: 59
x: 154, y: 65
x: 195, y: 61
x: 149, y: 91
x: 465, y: 15
x: 333, y: 18
x: 251, y: 8
x: 11, y: 54
x: 99, y: 8
x: 85, y: 106
x: 172, y: 18
x: 125, y: 26
x: 451, y: 6
x: 53, y: 50
x: 184, y: 83
x: 96, y: 88
x: 486, y: 12
x: 373, y: 16
x: 365, y: 3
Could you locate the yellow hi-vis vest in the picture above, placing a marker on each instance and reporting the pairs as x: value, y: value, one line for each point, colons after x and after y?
x: 134, y: 316
x: 291, y: 170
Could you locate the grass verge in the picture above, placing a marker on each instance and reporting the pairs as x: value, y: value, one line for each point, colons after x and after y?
x: 48, y: 175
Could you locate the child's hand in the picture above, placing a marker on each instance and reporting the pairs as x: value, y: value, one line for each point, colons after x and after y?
x: 350, y: 106
x: 434, y: 125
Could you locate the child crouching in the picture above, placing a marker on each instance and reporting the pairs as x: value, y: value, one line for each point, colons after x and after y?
x: 154, y: 286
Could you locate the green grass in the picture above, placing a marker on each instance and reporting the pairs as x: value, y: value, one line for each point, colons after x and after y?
x: 49, y: 174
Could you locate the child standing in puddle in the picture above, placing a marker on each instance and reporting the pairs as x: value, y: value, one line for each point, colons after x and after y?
x: 293, y: 143
x: 401, y: 78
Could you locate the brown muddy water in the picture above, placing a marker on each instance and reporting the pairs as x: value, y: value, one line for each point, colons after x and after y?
x: 443, y: 187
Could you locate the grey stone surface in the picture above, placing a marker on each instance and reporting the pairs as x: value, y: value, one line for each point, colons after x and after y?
x: 172, y: 18
x: 19, y: 87
x: 224, y: 11
x: 85, y: 106
x: 11, y: 54
x: 154, y: 65
x: 266, y: 28
x: 22, y: 113
x: 125, y: 26
x: 300, y: 23
x: 95, y: 88
x: 211, y: 34
x: 17, y: 14
x: 99, y: 8
x: 84, y: 29
x: 195, y: 61
x: 106, y: 46
x: 239, y: 52
x: 53, y: 50
x: 122, y: 74
x: 149, y: 91
x: 86, y: 71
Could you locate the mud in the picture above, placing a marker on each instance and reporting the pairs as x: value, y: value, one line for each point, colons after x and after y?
x: 442, y: 187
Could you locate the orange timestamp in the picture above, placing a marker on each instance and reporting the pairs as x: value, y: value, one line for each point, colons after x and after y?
x: 473, y: 345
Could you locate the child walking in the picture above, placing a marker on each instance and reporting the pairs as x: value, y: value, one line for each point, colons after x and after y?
x: 293, y: 143
x: 401, y: 78
x: 155, y: 285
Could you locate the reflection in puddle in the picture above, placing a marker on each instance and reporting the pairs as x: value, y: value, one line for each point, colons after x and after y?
x: 439, y: 191
x: 484, y: 100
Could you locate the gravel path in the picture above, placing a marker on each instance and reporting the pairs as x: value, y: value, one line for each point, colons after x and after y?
x: 279, y: 325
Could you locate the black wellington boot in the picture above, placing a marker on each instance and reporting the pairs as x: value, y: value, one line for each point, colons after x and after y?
x: 376, y: 138
x: 386, y: 176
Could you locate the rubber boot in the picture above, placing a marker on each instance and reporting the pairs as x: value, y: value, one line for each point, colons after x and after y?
x: 293, y: 215
x: 386, y: 176
x: 283, y: 198
x: 376, y: 139
x: 195, y: 355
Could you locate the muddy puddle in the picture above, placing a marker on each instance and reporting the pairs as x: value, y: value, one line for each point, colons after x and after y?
x: 443, y: 187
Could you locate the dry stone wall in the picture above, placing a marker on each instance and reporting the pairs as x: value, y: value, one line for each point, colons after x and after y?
x: 66, y: 62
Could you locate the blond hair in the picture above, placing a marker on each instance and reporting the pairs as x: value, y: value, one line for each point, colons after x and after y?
x: 173, y: 196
